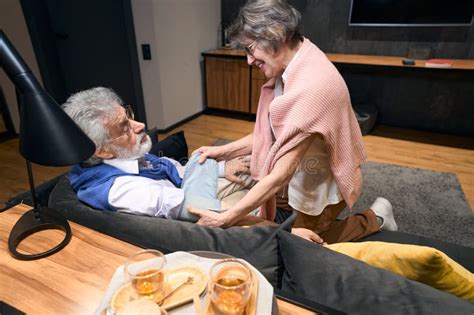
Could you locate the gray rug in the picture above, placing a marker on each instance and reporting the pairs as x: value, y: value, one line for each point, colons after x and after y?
x: 425, y: 203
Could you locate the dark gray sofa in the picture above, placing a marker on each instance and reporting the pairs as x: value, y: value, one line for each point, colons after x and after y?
x: 295, y: 267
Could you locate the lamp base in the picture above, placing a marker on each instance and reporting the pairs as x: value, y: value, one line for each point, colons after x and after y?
x: 34, y: 221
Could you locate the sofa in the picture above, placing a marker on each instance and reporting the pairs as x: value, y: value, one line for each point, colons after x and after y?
x: 306, y: 272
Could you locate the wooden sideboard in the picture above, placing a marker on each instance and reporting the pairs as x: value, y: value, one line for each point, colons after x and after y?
x: 393, y: 61
x: 231, y: 84
x: 406, y: 96
x: 413, y: 97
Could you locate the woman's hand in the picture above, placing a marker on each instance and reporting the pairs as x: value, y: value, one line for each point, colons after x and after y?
x: 210, y: 218
x: 308, y: 235
x: 214, y: 152
x: 234, y: 167
x: 227, y: 151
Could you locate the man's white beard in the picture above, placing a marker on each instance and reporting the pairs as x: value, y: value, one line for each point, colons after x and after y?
x: 138, y: 151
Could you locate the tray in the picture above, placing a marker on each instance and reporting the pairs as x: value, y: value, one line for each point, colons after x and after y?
x: 183, y: 259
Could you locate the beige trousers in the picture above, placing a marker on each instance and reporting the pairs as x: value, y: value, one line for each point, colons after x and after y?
x: 230, y: 193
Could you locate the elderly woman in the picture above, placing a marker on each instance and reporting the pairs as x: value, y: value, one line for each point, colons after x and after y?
x: 306, y: 136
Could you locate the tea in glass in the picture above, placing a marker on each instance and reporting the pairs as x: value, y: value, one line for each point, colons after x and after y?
x: 145, y: 272
x: 230, y: 285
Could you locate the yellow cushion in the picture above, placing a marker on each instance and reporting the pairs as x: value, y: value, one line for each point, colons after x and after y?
x: 420, y: 263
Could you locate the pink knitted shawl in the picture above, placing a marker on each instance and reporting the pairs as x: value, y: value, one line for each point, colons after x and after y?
x: 315, y: 100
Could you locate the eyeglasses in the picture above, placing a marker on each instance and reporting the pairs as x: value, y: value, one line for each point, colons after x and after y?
x: 128, y: 128
x: 249, y: 49
x: 129, y: 112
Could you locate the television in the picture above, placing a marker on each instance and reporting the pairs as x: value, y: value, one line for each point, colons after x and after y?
x: 411, y: 13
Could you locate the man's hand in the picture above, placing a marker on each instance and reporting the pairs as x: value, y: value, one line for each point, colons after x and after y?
x: 210, y: 218
x: 308, y: 235
x: 234, y: 167
x: 214, y: 152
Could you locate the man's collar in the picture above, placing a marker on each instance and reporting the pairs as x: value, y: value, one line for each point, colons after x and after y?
x: 126, y: 165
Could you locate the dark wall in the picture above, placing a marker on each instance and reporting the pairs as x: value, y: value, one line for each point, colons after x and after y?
x: 80, y: 44
x: 325, y: 22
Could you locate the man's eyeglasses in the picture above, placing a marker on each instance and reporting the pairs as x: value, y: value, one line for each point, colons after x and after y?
x: 249, y: 49
x: 128, y: 128
x: 129, y: 112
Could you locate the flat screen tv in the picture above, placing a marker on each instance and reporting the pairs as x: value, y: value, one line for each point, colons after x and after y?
x: 411, y: 12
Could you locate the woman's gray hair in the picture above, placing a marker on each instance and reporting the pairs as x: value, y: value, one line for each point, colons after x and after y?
x: 270, y: 22
x: 91, y: 110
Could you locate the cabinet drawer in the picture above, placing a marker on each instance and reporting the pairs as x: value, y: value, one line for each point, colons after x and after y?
x: 227, y: 83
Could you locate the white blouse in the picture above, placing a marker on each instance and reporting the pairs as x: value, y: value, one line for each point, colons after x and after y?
x: 313, y: 187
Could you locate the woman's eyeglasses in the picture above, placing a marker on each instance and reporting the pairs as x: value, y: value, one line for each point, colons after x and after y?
x: 249, y: 49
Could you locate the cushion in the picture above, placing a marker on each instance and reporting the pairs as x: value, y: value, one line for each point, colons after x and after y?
x: 257, y: 245
x: 420, y: 263
x: 173, y: 146
x: 346, y: 284
x: 462, y: 254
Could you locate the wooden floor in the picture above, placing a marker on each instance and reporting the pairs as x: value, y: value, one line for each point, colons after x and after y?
x: 443, y: 153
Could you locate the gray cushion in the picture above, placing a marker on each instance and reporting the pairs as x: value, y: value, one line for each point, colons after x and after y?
x: 351, y: 286
x: 258, y: 245
x: 174, y: 146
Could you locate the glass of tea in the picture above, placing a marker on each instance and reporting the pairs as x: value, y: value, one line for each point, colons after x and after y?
x: 146, y: 275
x: 229, y: 286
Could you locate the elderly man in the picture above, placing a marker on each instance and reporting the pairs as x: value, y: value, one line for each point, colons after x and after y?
x: 122, y: 176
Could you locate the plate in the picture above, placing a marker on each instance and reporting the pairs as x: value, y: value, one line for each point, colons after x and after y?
x: 174, y: 277
x: 185, y: 294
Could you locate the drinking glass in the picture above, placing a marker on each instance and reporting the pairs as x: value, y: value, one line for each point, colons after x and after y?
x: 229, y: 286
x: 145, y: 272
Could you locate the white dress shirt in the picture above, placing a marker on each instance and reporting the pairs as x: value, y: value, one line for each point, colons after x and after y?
x: 146, y: 196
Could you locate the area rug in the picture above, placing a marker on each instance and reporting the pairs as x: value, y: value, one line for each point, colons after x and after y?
x: 425, y: 203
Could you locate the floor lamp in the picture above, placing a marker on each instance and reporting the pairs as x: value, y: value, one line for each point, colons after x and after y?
x: 48, y: 136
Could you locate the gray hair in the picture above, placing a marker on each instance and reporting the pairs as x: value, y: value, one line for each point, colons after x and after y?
x: 91, y: 110
x: 270, y: 22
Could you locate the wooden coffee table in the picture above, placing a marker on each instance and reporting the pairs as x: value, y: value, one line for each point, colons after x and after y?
x: 71, y: 281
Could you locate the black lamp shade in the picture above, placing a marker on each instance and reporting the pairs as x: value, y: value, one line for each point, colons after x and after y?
x: 48, y: 136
